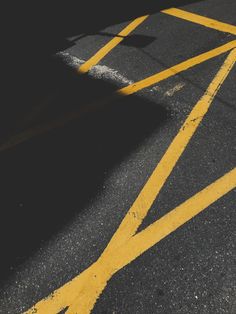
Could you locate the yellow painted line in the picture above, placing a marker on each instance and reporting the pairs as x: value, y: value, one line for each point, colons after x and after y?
x: 97, y: 276
x: 161, y: 228
x: 81, y: 294
x: 111, y: 45
x: 195, y: 18
x: 202, y: 20
x: 151, y: 189
x: 130, y: 89
x: 176, y: 69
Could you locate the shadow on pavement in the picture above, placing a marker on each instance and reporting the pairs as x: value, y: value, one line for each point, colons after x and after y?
x: 35, y: 31
x: 48, y: 180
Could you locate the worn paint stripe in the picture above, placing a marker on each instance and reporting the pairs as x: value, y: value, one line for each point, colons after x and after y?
x: 80, y: 294
x: 130, y: 89
x: 111, y: 44
x: 202, y: 20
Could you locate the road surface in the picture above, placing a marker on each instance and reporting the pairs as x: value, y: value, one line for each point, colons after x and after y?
x: 118, y: 167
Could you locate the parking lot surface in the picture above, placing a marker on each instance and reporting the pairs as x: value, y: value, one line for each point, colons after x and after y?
x: 118, y: 170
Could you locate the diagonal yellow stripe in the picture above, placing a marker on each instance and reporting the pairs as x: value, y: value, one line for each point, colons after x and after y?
x: 81, y: 293
x: 161, y: 228
x: 151, y: 189
x: 109, y: 264
x: 183, y: 66
x: 111, y: 45
x: 202, y: 20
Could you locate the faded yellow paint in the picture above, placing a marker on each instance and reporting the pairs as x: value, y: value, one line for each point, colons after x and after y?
x: 111, y: 45
x: 201, y: 20
x: 80, y: 294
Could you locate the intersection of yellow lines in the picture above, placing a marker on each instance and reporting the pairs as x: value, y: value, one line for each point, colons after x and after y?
x: 79, y: 295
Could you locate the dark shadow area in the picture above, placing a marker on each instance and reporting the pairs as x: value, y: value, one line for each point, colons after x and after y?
x: 34, y: 31
x: 48, y: 180
x: 58, y: 19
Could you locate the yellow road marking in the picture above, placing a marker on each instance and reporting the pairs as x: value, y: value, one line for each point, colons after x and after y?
x: 80, y: 294
x: 94, y: 60
x: 130, y: 89
x: 185, y: 65
x: 145, y: 239
x: 97, y: 276
x: 111, y: 45
x: 150, y: 191
x: 202, y: 20
x: 195, y: 18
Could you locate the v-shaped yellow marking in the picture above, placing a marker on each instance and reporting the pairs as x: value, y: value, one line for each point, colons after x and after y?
x: 79, y: 295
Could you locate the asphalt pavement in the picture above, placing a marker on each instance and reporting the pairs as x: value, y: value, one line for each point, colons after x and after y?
x: 117, y: 158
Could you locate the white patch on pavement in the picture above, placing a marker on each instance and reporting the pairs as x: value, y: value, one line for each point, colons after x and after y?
x: 170, y: 92
x: 98, y: 71
x: 104, y: 72
x: 175, y: 89
x: 70, y: 60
